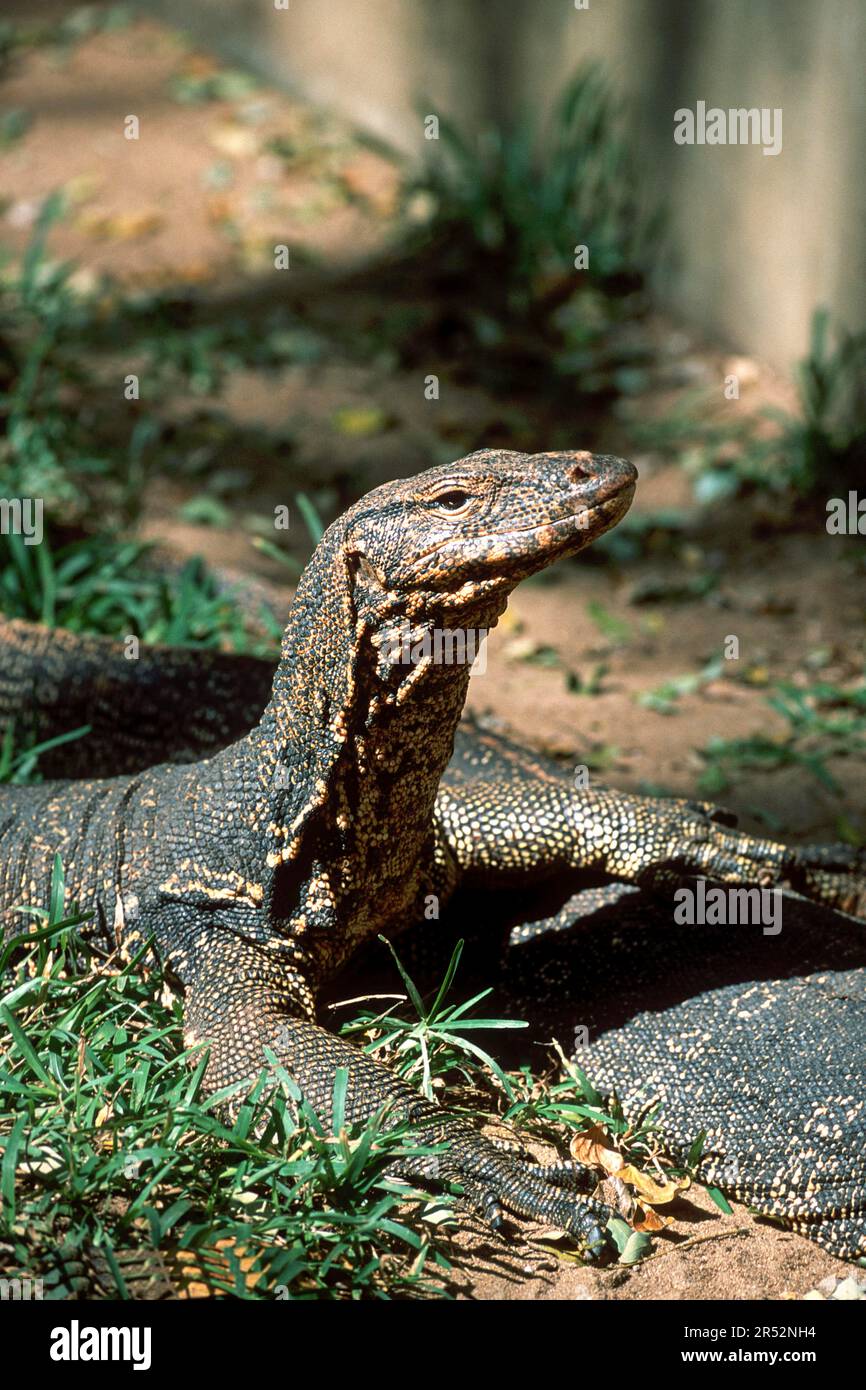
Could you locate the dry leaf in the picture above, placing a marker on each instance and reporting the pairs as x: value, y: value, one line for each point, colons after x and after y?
x: 656, y: 1193
x: 359, y: 421
x: 593, y: 1148
x: 82, y: 188
x: 220, y: 208
x: 235, y: 141
x: 125, y: 226
x: 199, y: 65
x: 645, y: 1219
x: 370, y: 178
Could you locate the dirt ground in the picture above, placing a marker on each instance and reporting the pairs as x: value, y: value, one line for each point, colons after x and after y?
x: 703, y: 1255
x: 200, y: 201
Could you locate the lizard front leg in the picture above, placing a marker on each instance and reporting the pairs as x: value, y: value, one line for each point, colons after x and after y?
x: 510, y: 817
x: 243, y: 999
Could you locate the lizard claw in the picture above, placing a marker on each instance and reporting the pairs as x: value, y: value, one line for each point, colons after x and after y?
x: 533, y: 1195
x: 680, y: 839
x: 494, y: 1181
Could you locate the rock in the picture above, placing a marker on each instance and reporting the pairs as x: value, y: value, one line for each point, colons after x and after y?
x: 850, y: 1290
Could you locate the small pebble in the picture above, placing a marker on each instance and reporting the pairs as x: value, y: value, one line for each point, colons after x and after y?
x: 849, y: 1290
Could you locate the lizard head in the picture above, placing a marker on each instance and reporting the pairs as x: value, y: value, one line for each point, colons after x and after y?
x: 415, y: 563
x: 459, y: 537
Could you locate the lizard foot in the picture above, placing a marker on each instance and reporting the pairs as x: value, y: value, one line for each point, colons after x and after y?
x: 494, y: 1182
x: 681, y: 838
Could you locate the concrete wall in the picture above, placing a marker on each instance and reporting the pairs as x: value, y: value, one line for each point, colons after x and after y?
x: 756, y: 242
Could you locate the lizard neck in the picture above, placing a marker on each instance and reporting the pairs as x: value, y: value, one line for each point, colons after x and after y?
x: 351, y: 748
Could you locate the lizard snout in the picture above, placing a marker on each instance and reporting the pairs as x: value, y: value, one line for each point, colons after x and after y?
x: 605, y: 475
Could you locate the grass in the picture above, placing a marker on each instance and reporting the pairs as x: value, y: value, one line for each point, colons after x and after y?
x: 82, y: 580
x: 828, y: 443
x: 523, y: 197
x: 55, y: 401
x: 663, y: 700
x: 539, y: 234
x: 811, y: 453
x: 119, y: 1178
x: 433, y: 1044
x: 47, y: 450
x: 100, y: 585
x: 19, y: 766
x: 59, y: 34
x: 115, y: 1167
x: 825, y: 721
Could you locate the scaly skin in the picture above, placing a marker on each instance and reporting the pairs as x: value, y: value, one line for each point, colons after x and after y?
x: 259, y: 871
x: 168, y: 704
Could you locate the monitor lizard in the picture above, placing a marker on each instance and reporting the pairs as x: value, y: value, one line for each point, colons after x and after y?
x: 259, y: 868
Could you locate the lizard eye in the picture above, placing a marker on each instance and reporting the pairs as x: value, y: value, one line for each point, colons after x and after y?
x: 453, y: 500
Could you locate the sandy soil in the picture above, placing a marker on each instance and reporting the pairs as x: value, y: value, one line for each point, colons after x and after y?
x: 703, y: 1255
x: 150, y: 213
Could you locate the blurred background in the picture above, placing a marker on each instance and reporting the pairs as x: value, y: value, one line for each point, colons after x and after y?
x: 281, y: 254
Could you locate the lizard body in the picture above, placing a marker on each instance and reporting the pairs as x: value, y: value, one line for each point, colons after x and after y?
x: 260, y: 868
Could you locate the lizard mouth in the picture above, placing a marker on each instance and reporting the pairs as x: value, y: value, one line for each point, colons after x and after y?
x: 594, y: 520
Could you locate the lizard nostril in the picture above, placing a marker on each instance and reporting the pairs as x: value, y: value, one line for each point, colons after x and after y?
x: 580, y: 468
